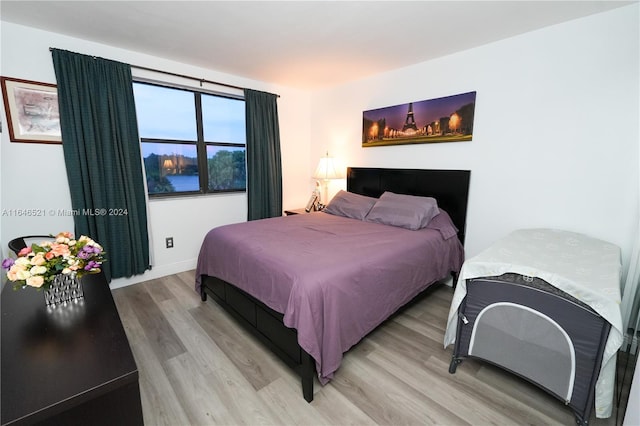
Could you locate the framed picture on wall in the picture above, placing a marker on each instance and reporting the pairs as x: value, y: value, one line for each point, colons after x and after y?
x: 447, y: 119
x: 32, y: 111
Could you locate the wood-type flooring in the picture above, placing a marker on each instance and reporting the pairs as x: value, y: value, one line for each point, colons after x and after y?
x: 199, y: 367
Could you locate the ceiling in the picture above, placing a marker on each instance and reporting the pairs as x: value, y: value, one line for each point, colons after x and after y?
x: 303, y: 44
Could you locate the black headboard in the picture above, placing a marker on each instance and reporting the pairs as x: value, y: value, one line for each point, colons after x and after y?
x: 449, y: 187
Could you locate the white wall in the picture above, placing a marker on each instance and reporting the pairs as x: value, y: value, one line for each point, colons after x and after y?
x: 555, y: 139
x: 34, y: 176
x: 556, y: 135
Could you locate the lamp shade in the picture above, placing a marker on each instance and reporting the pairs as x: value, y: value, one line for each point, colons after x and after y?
x: 327, y: 169
x: 168, y: 164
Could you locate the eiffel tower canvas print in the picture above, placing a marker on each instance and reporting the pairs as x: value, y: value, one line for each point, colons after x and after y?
x: 447, y: 119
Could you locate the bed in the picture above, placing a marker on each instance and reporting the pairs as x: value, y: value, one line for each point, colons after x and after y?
x: 311, y: 286
x: 544, y: 304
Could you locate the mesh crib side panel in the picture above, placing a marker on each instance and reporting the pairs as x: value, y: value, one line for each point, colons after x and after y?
x: 526, y: 343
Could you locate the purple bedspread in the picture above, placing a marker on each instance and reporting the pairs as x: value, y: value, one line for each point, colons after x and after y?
x: 335, y: 279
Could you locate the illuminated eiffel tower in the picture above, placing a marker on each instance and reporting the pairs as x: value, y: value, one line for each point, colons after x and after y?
x: 409, y: 122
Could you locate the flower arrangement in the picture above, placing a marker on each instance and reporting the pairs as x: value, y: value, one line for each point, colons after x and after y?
x: 38, y: 265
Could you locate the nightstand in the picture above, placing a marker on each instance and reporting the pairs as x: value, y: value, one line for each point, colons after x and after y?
x: 296, y: 211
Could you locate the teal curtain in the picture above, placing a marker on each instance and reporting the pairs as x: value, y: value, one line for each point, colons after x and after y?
x: 102, y: 156
x: 264, y: 170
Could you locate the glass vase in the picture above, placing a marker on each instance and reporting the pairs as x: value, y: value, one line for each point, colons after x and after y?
x: 64, y: 289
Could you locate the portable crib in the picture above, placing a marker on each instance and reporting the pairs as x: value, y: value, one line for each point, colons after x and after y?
x: 544, y: 304
x: 534, y: 330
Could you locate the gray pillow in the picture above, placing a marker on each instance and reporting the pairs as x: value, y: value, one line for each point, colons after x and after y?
x: 442, y: 223
x: 350, y: 205
x: 406, y: 211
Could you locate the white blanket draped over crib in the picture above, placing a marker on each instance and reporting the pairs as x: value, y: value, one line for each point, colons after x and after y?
x: 586, y: 268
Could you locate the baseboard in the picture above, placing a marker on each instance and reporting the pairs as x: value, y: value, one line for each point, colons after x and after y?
x: 448, y: 281
x: 155, y: 272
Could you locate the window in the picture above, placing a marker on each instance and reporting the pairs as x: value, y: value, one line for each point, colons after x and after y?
x: 192, y: 142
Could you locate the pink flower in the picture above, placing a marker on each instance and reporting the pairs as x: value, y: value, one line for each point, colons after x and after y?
x: 60, y: 249
x: 25, y: 251
x: 64, y: 237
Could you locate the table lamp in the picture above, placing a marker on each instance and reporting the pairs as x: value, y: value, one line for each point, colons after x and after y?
x: 326, y: 171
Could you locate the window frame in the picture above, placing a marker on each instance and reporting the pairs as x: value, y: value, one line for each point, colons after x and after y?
x: 200, y: 144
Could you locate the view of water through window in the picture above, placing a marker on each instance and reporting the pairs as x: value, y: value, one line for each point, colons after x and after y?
x: 168, y: 122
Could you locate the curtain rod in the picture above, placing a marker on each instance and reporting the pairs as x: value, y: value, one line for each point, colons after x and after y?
x: 201, y: 80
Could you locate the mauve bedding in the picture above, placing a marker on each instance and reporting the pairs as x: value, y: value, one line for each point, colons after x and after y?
x: 334, y: 278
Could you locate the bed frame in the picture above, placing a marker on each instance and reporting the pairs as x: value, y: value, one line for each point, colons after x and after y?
x: 449, y: 187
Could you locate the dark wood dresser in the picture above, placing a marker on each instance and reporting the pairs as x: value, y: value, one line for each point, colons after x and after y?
x: 67, y: 366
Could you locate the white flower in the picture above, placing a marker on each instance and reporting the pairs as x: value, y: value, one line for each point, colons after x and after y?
x: 38, y: 270
x: 22, y: 274
x: 36, y: 281
x: 23, y: 262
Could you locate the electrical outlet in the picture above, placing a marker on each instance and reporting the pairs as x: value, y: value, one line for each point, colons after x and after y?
x: 169, y: 242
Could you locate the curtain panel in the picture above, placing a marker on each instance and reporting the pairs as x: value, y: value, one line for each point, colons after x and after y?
x: 102, y: 156
x: 264, y: 170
